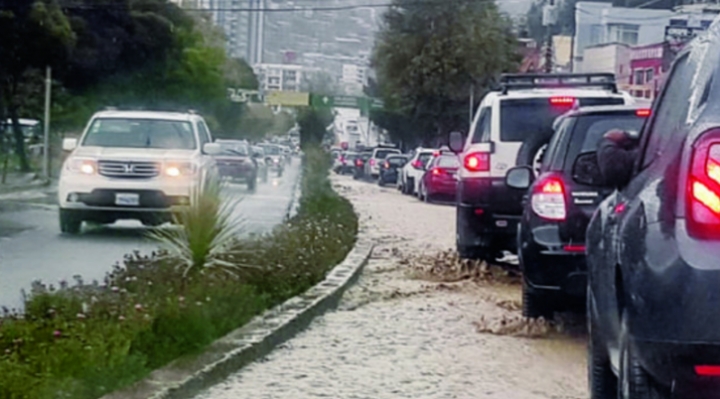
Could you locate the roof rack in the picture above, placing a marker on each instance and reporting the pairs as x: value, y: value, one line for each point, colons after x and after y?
x: 519, y: 81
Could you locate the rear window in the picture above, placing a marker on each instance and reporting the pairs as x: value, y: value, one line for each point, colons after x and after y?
x: 425, y: 157
x: 595, y: 126
x: 381, y: 154
x: 522, y: 117
x: 447, y: 161
x: 395, y: 161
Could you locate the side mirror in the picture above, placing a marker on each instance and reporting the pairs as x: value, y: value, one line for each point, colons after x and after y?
x: 456, y: 142
x: 586, y: 169
x: 69, y: 144
x: 519, y: 177
x: 212, y: 148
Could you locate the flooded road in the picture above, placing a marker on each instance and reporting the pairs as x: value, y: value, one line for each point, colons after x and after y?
x: 418, y: 325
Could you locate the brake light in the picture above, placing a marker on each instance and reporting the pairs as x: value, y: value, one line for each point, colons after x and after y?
x: 477, y: 162
x: 644, y: 112
x: 387, y: 165
x: 703, y: 190
x: 417, y: 164
x: 359, y: 162
x: 707, y: 370
x: 548, y: 199
x: 562, y: 101
x: 574, y: 248
x: 436, y: 154
x: 438, y: 171
x: 372, y: 161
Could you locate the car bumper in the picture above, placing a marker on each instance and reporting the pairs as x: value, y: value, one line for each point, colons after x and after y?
x: 476, y: 227
x: 551, y: 265
x: 99, y: 193
x: 442, y: 188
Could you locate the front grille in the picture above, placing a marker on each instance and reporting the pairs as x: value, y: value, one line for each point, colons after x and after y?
x: 128, y: 169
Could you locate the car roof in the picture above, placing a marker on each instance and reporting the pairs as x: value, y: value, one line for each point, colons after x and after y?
x: 604, y: 109
x: 560, y: 91
x: 159, y: 115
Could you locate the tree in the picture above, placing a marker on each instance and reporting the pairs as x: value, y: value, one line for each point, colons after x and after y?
x: 33, y: 34
x: 313, y: 123
x: 429, y: 57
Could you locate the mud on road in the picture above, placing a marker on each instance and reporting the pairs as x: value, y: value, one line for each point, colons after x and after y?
x: 420, y: 324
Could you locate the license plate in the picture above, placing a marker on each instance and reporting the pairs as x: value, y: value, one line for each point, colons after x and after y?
x: 127, y: 199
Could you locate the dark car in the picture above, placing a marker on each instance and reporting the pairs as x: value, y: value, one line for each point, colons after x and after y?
x: 439, y: 181
x: 362, y: 158
x: 559, y: 204
x: 653, y: 246
x: 389, y: 169
x: 236, y: 164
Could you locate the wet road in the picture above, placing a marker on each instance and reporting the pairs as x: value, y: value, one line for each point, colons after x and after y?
x: 403, y: 332
x: 32, y: 248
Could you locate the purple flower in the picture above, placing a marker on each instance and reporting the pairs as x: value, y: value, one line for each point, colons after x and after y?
x: 57, y: 334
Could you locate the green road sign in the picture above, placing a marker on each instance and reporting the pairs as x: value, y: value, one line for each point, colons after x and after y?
x: 362, y: 103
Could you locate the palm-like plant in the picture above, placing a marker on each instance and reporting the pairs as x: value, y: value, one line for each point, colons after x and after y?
x: 208, y: 228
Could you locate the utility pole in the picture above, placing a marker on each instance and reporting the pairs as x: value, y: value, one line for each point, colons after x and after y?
x: 471, y: 105
x: 46, y: 127
x: 549, y: 20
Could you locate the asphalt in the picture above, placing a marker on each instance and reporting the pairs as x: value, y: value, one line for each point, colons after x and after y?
x: 32, y: 248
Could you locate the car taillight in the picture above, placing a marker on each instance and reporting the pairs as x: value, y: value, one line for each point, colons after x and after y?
x: 358, y: 162
x: 387, y: 165
x: 643, y: 112
x: 477, y: 162
x: 417, y: 164
x: 342, y: 160
x: 548, y: 199
x: 438, y: 171
x: 703, y: 191
x: 707, y: 370
x: 562, y: 101
x: 372, y: 161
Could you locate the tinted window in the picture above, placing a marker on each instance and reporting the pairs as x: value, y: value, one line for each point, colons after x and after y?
x: 594, y: 127
x: 523, y: 117
x: 140, y: 133
x: 396, y: 161
x: 366, y: 155
x: 448, y: 161
x: 381, y: 154
x: 671, y: 111
x: 554, y: 145
x: 424, y: 158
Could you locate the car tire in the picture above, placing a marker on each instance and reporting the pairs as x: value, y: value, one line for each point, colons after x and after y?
x: 601, y: 380
x: 380, y: 182
x: 70, y: 222
x: 633, y: 381
x: 252, y: 183
x: 470, y: 253
x: 531, y: 147
x: 536, y: 304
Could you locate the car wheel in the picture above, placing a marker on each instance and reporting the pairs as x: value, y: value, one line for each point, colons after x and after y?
x: 536, y: 304
x: 252, y: 183
x: 426, y: 197
x: 70, y: 223
x: 601, y: 379
x: 633, y: 381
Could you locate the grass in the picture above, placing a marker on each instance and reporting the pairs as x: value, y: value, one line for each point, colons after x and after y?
x: 85, y: 340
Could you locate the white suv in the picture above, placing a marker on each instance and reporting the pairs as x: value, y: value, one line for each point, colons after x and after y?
x: 139, y: 165
x: 512, y: 127
x: 372, y: 167
x: 413, y: 171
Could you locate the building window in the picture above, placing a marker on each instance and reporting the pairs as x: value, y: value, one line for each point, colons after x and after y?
x: 649, y: 75
x: 623, y: 33
x: 639, y: 77
x: 596, y: 34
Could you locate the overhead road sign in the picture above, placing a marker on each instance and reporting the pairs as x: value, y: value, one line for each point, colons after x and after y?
x: 287, y: 98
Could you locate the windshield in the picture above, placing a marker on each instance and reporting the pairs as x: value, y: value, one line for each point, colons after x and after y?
x: 520, y: 118
x: 273, y: 150
x: 425, y: 157
x: 140, y: 133
x: 233, y: 148
x: 382, y: 154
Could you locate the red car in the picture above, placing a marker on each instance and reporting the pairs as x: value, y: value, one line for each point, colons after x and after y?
x: 439, y: 180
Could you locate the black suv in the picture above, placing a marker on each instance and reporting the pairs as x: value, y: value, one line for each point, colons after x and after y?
x: 559, y: 204
x: 653, y: 246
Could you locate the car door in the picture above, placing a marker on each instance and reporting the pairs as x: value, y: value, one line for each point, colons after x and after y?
x: 631, y: 209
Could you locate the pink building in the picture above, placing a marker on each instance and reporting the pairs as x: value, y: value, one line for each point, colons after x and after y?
x: 646, y: 67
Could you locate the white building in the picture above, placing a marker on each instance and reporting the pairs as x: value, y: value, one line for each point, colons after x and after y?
x: 609, y: 58
x: 601, y: 23
x: 279, y: 77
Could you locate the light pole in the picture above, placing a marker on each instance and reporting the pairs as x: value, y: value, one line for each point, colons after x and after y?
x: 46, y: 124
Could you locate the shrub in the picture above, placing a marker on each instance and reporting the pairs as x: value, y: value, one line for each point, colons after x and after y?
x: 85, y: 340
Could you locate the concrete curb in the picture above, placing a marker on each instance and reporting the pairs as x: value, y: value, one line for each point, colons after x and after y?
x: 186, y: 377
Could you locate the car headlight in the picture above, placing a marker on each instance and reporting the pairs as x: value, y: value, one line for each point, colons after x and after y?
x: 83, y: 166
x: 178, y: 169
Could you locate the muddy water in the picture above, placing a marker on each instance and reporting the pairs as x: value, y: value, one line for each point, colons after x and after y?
x: 419, y: 324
